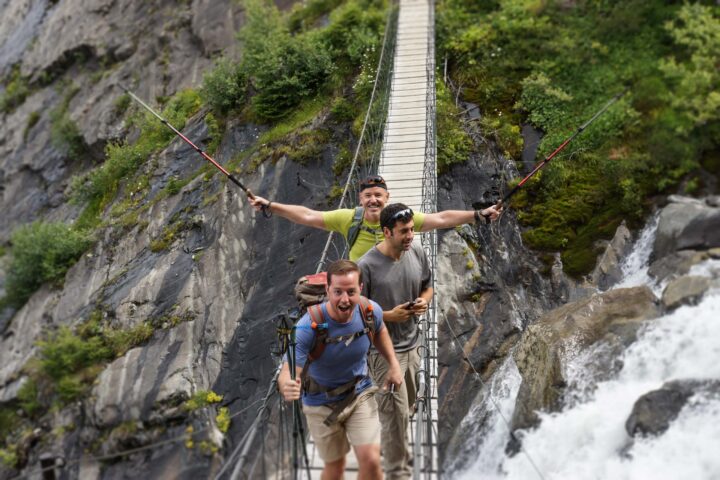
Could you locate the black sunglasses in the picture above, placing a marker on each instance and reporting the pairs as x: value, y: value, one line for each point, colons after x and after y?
x: 373, y: 181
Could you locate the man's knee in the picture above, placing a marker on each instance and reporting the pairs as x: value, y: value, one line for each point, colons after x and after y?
x: 334, y: 470
x: 368, y: 457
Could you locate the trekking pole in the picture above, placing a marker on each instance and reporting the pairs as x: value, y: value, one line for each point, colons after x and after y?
x: 295, y: 409
x: 558, y: 149
x: 207, y: 157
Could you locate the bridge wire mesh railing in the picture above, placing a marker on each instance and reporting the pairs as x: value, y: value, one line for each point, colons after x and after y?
x: 425, y: 445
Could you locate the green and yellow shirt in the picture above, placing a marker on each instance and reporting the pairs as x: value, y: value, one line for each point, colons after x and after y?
x: 341, y: 220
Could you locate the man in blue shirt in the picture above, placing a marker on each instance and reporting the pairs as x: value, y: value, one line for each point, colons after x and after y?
x: 340, y: 374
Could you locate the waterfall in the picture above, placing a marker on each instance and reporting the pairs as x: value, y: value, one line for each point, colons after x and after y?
x: 587, y: 439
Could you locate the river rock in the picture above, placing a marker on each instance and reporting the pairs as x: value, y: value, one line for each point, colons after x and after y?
x: 654, y: 411
x: 685, y: 290
x: 608, y: 270
x: 613, y: 316
x: 685, y: 225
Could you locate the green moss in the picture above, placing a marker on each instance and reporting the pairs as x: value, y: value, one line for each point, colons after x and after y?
x: 342, y: 162
x: 215, y: 130
x: 32, y: 120
x: 301, y: 116
x: 179, y: 223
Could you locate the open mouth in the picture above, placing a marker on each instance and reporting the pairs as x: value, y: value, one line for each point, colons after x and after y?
x: 344, y: 308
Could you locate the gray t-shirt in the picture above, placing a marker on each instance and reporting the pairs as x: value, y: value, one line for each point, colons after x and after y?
x: 390, y: 283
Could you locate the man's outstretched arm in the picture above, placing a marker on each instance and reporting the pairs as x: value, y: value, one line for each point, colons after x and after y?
x: 294, y: 213
x: 453, y: 218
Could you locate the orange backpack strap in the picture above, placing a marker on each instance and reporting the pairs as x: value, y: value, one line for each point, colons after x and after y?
x: 368, y: 317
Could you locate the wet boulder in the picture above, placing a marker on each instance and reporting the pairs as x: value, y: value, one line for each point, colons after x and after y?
x: 686, y: 290
x: 687, y: 224
x: 613, y: 317
x: 654, y: 411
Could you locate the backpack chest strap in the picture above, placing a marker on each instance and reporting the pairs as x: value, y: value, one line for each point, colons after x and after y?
x: 347, y: 339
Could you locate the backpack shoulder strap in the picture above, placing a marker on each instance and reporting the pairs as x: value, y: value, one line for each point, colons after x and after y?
x: 355, y: 226
x: 320, y: 332
x: 368, y: 317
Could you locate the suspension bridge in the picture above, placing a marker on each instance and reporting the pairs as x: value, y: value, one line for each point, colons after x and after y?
x: 397, y: 141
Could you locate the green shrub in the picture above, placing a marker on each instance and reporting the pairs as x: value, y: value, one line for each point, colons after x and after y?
x: 223, y: 419
x: 554, y: 66
x: 28, y: 398
x: 295, y: 71
x: 201, y: 399
x: 304, y: 15
x: 41, y: 252
x: 225, y: 86
x: 8, y: 457
x: 453, y: 142
x: 16, y: 91
x: 65, y: 353
x: 64, y: 133
x: 283, y: 69
x: 121, y: 104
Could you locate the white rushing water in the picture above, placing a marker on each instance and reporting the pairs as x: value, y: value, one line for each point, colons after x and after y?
x: 587, y: 440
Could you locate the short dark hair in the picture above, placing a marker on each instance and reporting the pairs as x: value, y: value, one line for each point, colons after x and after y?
x: 394, y: 212
x: 343, y: 267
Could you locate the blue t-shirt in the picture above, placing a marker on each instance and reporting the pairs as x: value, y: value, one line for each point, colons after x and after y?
x: 339, y: 363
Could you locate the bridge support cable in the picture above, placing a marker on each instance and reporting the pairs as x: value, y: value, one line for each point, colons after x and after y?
x: 427, y: 439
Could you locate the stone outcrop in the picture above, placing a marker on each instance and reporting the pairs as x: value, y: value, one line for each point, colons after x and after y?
x: 685, y: 291
x: 94, y: 45
x: 654, y: 411
x: 613, y: 317
x: 687, y: 224
x: 608, y: 270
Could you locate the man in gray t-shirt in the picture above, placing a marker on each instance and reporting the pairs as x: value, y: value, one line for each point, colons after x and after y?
x: 396, y: 274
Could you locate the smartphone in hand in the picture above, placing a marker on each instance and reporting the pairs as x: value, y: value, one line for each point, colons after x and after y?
x: 410, y: 305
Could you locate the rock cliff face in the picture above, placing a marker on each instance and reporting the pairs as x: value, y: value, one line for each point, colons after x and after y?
x: 214, y: 292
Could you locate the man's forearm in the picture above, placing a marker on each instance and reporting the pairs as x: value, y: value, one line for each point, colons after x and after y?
x: 298, y: 214
x: 427, y: 294
x: 447, y: 219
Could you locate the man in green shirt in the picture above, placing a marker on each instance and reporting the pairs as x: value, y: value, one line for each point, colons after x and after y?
x: 373, y: 197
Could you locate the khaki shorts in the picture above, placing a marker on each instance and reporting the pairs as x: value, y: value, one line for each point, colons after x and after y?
x: 357, y: 424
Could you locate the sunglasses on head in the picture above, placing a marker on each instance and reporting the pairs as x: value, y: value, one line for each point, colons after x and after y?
x: 406, y: 213
x: 373, y: 181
